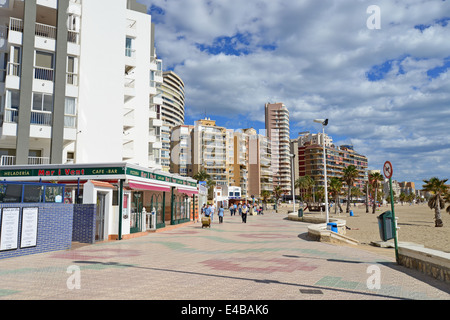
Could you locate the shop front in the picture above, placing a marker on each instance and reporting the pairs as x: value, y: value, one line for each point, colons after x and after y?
x: 128, y: 199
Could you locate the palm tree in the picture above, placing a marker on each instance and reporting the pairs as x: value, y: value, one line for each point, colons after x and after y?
x: 202, y: 175
x: 438, y: 191
x: 335, y: 190
x: 402, y: 197
x: 305, y: 183
x: 277, y: 192
x: 349, y: 177
x: 447, y: 199
x: 265, y: 195
x: 374, y: 179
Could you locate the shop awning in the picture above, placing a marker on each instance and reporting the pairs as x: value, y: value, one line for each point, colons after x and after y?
x: 189, y: 192
x: 147, y: 186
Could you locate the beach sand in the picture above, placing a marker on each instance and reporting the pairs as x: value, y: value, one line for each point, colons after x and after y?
x: 416, y: 223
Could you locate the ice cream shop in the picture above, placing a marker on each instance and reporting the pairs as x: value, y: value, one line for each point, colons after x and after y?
x: 110, y: 201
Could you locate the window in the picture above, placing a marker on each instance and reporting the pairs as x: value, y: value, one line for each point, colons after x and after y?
x: 70, y: 112
x: 129, y: 52
x: 42, y: 102
x: 72, y: 77
x: 12, y: 99
x: 43, y: 66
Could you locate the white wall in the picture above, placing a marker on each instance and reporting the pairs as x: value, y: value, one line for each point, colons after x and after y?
x: 101, y: 91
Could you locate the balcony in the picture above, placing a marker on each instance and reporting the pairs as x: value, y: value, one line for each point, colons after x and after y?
x: 11, y: 161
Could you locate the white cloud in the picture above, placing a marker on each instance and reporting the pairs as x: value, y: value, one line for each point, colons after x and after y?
x: 314, y: 56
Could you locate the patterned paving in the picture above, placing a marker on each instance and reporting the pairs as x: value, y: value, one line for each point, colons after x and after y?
x: 267, y: 258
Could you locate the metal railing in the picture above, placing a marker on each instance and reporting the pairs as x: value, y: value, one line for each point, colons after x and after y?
x: 11, y: 116
x: 43, y: 73
x: 41, y: 118
x: 11, y: 160
x: 13, y: 69
x: 15, y: 24
x: 46, y: 31
x: 72, y: 78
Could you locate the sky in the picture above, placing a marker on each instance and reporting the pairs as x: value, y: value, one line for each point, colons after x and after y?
x: 381, y: 75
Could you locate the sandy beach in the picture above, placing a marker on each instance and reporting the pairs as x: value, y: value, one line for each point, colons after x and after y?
x: 416, y: 223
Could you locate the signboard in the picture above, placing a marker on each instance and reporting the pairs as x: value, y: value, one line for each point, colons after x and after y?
x: 77, y: 172
x: 29, y: 227
x: 9, y: 229
x: 388, y: 170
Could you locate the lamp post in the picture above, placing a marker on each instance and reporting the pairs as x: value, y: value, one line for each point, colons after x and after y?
x: 324, y: 124
x: 292, y: 178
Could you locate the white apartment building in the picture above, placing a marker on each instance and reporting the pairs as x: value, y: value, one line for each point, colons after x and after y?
x: 78, y: 83
x: 172, y: 112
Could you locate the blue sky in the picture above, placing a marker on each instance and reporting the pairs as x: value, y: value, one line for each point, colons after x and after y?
x: 386, y: 91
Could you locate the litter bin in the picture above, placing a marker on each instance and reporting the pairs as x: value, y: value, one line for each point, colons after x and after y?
x: 386, y: 225
x: 332, y: 226
x: 300, y: 213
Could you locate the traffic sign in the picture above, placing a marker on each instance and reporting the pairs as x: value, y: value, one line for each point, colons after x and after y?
x: 388, y: 170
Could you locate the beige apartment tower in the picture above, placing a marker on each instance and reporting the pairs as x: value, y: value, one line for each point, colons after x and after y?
x: 277, y: 131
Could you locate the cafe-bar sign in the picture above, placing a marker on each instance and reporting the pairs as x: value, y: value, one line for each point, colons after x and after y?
x: 94, y: 171
x: 67, y: 172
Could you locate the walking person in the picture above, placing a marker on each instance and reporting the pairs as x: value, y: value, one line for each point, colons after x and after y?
x: 244, y: 213
x: 220, y: 212
x: 213, y: 210
x: 240, y: 208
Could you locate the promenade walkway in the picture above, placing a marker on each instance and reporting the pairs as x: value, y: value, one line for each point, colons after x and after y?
x: 268, y: 258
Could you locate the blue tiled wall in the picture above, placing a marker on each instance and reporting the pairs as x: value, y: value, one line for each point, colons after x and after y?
x: 84, y: 223
x: 55, y: 226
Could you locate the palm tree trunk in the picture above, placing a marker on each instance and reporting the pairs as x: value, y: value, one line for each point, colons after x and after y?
x: 348, y: 199
x: 374, y: 207
x: 437, y: 214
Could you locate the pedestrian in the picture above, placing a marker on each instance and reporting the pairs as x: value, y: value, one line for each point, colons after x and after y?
x: 234, y: 208
x: 221, y: 210
x: 213, y: 210
x: 202, y: 211
x: 244, y: 213
x: 261, y: 209
x: 240, y: 208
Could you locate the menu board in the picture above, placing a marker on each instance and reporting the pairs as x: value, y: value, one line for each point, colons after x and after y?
x: 9, y: 229
x: 29, y: 227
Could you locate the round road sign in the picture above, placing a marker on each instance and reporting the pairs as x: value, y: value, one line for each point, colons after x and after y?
x: 388, y: 170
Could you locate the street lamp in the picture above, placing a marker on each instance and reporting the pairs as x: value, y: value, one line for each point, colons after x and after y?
x: 292, y: 178
x: 324, y: 123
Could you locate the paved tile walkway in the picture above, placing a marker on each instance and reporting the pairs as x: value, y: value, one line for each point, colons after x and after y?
x: 268, y: 258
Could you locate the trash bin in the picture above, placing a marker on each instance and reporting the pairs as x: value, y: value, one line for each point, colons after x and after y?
x: 300, y: 212
x: 332, y: 226
x: 386, y: 226
x: 351, y: 213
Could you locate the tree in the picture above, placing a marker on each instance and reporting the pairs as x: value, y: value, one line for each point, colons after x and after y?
x: 265, y: 195
x: 349, y: 177
x: 375, y: 178
x: 438, y: 191
x: 277, y: 192
x: 447, y: 199
x: 306, y: 184
x: 402, y: 197
x: 202, y: 175
x: 335, y: 190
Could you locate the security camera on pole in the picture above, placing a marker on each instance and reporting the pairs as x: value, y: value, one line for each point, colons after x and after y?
x: 324, y: 123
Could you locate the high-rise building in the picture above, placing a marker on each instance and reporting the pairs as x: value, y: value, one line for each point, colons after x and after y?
x: 78, y: 83
x: 277, y: 130
x: 259, y: 164
x: 172, y: 112
x: 309, y: 161
x: 180, y: 150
